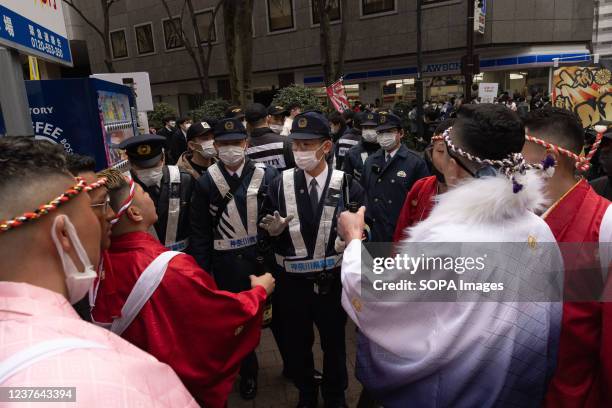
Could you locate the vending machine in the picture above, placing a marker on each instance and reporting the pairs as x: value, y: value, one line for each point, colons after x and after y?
x: 86, y: 116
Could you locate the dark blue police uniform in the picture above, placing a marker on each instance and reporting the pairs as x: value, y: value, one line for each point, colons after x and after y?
x: 387, y: 182
x: 308, y: 284
x: 224, y: 223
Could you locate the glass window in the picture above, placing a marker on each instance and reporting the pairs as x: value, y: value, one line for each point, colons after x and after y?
x: 204, y: 20
x: 119, y: 44
x: 280, y: 15
x: 334, y: 14
x: 144, y: 39
x: 377, y: 6
x: 172, y: 37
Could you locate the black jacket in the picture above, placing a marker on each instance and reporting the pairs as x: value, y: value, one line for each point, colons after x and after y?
x: 387, y: 185
x: 309, y: 222
x: 177, y: 145
x: 356, y: 156
x: 230, y: 268
x: 270, y: 148
x: 349, y: 139
x: 161, y: 196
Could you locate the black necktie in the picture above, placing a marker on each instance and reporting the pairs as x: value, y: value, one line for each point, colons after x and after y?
x: 314, y: 196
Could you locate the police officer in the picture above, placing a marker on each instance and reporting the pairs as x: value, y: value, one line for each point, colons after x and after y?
x: 357, y: 155
x: 201, y: 152
x: 388, y: 175
x: 266, y: 146
x: 235, y: 112
x: 169, y: 187
x: 302, y: 206
x: 349, y: 139
x: 225, y: 212
x: 276, y: 118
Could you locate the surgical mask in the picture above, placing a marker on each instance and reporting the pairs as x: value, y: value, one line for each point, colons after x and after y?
x: 369, y: 135
x: 231, y: 155
x: 78, y: 282
x: 306, y: 160
x: 386, y: 140
x: 244, y: 123
x: 208, y: 149
x: 151, y: 176
x: 276, y: 128
x: 172, y: 123
x: 187, y: 126
x: 335, y: 128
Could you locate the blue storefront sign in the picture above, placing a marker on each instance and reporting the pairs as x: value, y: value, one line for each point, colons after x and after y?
x: 35, y: 27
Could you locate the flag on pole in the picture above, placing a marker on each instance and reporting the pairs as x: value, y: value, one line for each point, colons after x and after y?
x: 338, y: 98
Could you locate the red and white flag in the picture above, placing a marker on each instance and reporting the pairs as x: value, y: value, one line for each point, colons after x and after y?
x: 337, y: 96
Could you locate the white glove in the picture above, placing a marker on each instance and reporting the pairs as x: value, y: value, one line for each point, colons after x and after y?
x: 339, y: 245
x: 275, y: 224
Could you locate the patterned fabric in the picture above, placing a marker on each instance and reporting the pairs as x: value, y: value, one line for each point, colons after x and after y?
x: 121, y: 376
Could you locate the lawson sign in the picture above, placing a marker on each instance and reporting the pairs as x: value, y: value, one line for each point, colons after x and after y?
x: 35, y: 27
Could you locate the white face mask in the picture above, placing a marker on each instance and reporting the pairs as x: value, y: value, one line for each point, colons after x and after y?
x: 369, y: 135
x: 335, y: 129
x: 387, y: 140
x: 208, y: 149
x: 150, y: 177
x: 307, y: 160
x: 172, y: 123
x: 276, y: 128
x: 78, y: 282
x: 187, y: 126
x: 244, y: 123
x: 231, y: 155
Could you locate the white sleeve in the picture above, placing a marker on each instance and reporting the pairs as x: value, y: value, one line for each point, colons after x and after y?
x: 605, y: 242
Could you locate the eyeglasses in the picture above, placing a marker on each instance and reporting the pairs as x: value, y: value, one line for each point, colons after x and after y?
x: 103, y: 205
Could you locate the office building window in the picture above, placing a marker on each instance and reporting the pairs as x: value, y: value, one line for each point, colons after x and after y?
x: 369, y: 7
x: 118, y: 44
x: 334, y: 14
x: 280, y: 15
x: 204, y: 21
x: 172, y: 36
x: 144, y: 39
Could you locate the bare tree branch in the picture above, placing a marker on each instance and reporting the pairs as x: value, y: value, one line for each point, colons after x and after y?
x: 88, y: 21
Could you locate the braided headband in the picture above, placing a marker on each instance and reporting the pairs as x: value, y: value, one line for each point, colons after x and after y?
x: 583, y: 163
x: 510, y: 166
x: 52, y: 205
x: 437, y: 138
x: 126, y: 204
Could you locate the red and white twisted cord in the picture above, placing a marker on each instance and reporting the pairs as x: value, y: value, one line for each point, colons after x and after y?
x: 126, y: 204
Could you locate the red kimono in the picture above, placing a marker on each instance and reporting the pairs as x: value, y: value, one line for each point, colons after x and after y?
x: 417, y: 205
x: 576, y: 218
x: 201, y: 332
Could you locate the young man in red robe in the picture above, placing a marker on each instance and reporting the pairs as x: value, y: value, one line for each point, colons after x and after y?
x: 576, y: 216
x: 420, y: 198
x: 201, y: 332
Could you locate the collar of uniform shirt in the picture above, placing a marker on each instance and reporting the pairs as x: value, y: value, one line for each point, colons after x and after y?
x: 321, y: 180
x: 392, y: 153
x: 238, y: 172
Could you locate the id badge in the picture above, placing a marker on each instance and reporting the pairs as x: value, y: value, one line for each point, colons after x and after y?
x: 316, y: 288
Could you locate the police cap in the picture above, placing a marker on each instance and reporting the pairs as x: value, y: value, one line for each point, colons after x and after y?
x: 310, y: 125
x: 388, y: 121
x: 144, y: 150
x: 229, y: 129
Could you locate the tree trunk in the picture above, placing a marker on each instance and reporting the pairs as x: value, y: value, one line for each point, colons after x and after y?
x: 229, y: 12
x: 342, y: 41
x: 204, y: 71
x: 245, y: 38
x: 108, y: 58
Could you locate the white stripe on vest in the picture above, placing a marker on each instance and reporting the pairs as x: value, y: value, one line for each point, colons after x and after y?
x: 241, y: 236
x: 325, y: 223
x: 174, y: 205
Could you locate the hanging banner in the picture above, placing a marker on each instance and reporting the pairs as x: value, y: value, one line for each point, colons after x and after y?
x: 587, y: 91
x: 338, y: 98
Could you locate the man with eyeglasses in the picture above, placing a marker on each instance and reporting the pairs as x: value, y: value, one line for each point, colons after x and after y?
x: 85, y: 167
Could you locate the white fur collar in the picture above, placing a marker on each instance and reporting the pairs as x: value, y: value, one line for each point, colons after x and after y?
x: 488, y: 200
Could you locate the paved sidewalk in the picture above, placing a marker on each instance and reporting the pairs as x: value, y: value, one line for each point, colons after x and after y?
x: 275, y: 391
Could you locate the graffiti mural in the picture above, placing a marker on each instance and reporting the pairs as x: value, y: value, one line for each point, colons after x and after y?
x: 586, y: 91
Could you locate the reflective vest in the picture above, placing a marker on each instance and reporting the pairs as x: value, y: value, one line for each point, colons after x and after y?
x: 301, y: 262
x: 237, y: 236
